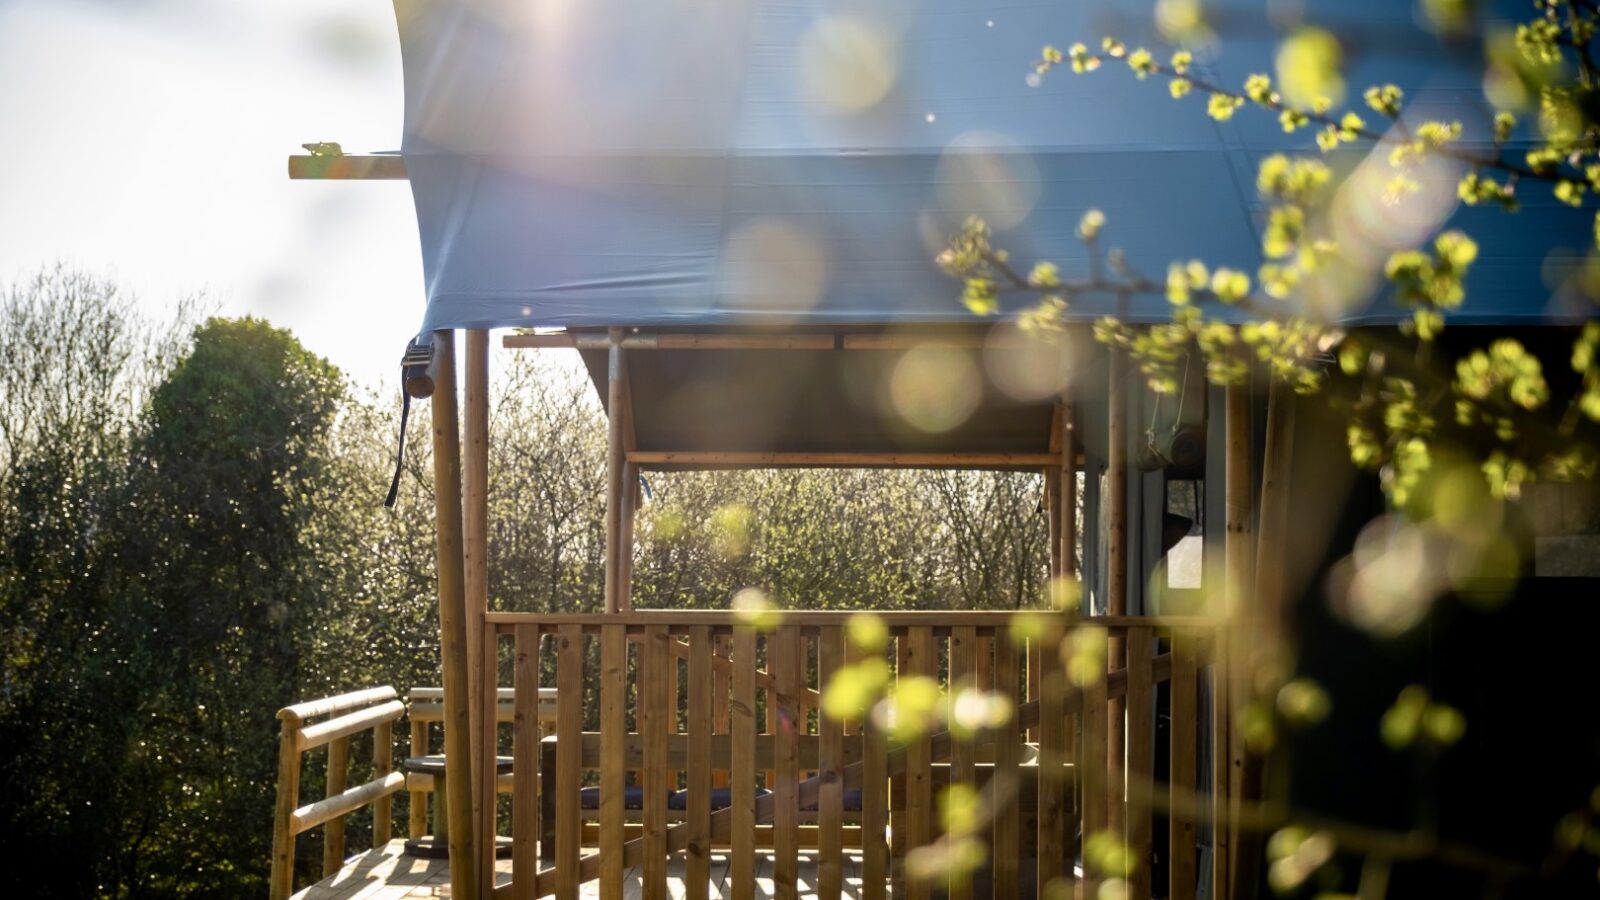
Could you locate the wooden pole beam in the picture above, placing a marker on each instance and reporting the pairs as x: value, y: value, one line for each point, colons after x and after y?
x: 349, y: 167
x: 1052, y: 506
x: 616, y: 462
x: 1116, y: 504
x: 1268, y: 613
x: 594, y: 341
x: 651, y: 459
x: 630, y: 511
x: 453, y: 619
x: 1237, y: 548
x: 896, y: 341
x: 909, y: 340
x: 1067, y: 498
x: 631, y: 493
x: 475, y: 478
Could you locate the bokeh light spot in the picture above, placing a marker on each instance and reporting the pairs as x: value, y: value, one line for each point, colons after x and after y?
x: 847, y: 63
x: 935, y: 387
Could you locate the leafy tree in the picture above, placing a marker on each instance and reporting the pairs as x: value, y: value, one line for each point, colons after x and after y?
x: 222, y: 580
x: 78, y: 364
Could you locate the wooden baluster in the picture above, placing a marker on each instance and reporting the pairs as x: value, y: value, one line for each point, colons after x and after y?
x: 830, y: 799
x: 656, y: 717
x: 525, y: 761
x: 1052, y: 774
x: 783, y: 661
x: 333, y: 831
x: 1141, y: 755
x: 698, y: 869
x: 1222, y: 750
x: 742, y: 814
x: 673, y: 697
x: 417, y: 814
x: 486, y: 782
x: 613, y: 755
x: 1093, y: 772
x: 1007, y: 759
x: 897, y: 784
x: 963, y: 754
x: 569, y: 758
x: 1033, y: 682
x: 874, y: 811
x: 1185, y: 727
x: 722, y: 679
x: 769, y: 721
x: 382, y: 765
x: 919, y: 759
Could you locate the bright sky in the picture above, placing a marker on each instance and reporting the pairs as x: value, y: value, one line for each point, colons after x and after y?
x: 145, y: 140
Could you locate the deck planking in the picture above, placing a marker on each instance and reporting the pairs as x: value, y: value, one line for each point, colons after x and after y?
x: 388, y: 874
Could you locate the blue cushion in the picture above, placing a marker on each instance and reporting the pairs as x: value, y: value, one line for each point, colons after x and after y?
x: 721, y: 798
x: 852, y: 802
x: 632, y: 798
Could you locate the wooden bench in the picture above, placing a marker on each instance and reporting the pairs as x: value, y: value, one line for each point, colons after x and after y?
x: 425, y: 708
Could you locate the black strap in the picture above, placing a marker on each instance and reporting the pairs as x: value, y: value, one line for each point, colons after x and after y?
x: 400, y: 452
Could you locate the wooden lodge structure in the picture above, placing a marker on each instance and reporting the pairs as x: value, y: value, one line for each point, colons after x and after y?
x: 740, y: 247
x: 712, y: 756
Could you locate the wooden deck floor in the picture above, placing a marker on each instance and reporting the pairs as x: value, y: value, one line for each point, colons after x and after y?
x: 388, y: 874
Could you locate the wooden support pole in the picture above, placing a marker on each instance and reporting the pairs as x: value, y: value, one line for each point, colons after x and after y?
x: 630, y: 513
x: 1067, y: 496
x: 453, y: 617
x: 281, y: 884
x: 615, y: 465
x: 475, y: 553
x: 632, y: 494
x: 1116, y: 504
x: 1238, y: 566
x: 1268, y: 614
x: 1052, y: 506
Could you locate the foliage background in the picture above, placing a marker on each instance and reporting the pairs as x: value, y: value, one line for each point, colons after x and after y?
x: 192, y: 536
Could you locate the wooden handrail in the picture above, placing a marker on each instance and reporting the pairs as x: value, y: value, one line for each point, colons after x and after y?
x: 896, y: 620
x: 373, y: 709
x: 313, y: 736
x: 310, y: 709
x: 313, y: 814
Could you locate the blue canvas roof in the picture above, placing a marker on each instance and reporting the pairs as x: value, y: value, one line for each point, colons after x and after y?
x: 779, y: 162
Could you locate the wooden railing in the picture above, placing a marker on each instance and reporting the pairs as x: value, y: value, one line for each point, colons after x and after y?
x: 331, y: 722
x: 787, y: 781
